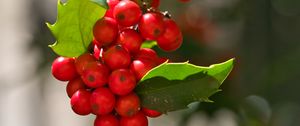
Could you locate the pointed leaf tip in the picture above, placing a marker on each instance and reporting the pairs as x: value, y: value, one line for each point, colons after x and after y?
x: 73, y: 27
x: 181, y: 84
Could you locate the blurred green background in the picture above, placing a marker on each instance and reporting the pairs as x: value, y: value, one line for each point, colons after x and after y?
x: 262, y: 90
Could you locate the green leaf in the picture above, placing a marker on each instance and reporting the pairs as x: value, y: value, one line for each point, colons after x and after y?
x: 149, y: 44
x: 73, y: 28
x: 102, y: 3
x: 173, y: 86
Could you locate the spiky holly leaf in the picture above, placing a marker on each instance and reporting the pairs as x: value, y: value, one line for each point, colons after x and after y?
x: 73, y: 27
x: 173, y: 86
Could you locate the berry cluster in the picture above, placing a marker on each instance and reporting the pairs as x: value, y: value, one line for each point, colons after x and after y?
x: 102, y: 81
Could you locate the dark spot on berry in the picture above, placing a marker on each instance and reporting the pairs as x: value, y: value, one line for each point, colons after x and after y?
x: 91, y: 78
x: 156, y: 32
x: 130, y: 112
x: 121, y: 16
x: 95, y: 107
x: 122, y: 78
x: 118, y: 47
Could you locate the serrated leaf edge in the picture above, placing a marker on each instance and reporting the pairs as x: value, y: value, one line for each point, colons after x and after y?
x: 187, y: 63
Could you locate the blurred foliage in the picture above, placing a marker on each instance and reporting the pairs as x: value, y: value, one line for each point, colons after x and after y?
x: 263, y: 35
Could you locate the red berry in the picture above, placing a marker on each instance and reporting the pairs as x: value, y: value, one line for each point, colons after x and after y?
x: 102, y: 101
x: 127, y: 13
x: 138, y: 119
x: 111, y: 5
x: 128, y: 105
x: 95, y: 75
x: 141, y: 67
x: 63, y: 69
x: 122, y: 81
x: 130, y: 39
x: 151, y: 26
x: 82, y: 61
x: 80, y: 102
x: 105, y: 30
x: 172, y: 38
x: 116, y: 57
x: 146, y: 53
x: 151, y: 113
x: 74, y: 85
x: 106, y: 120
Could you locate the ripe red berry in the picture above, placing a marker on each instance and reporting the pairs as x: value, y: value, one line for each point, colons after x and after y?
x: 82, y: 61
x: 138, y: 119
x: 172, y: 38
x: 95, y: 74
x: 117, y: 57
x: 102, y: 101
x: 106, y: 120
x: 151, y: 26
x: 80, y: 102
x: 122, y: 81
x: 111, y: 5
x: 127, y: 13
x: 151, y: 113
x: 105, y: 30
x: 141, y: 67
x: 130, y: 39
x: 128, y: 105
x: 63, y: 69
x: 146, y: 53
x: 74, y: 85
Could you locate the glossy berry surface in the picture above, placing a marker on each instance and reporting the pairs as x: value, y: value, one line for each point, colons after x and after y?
x: 117, y: 57
x: 82, y: 61
x: 102, y: 101
x: 171, y: 40
x: 63, y: 69
x: 80, y: 102
x: 122, y: 81
x: 146, y: 53
x: 127, y: 13
x: 130, y: 39
x: 95, y: 74
x: 128, y: 105
x: 151, y: 113
x: 105, y: 30
x: 138, y: 119
x: 74, y: 85
x: 106, y: 120
x: 141, y: 67
x: 111, y: 5
x: 151, y: 26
